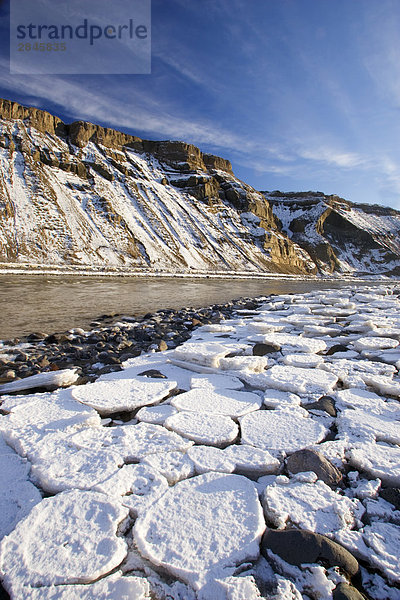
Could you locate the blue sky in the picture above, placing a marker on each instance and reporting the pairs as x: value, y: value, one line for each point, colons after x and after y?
x: 298, y: 94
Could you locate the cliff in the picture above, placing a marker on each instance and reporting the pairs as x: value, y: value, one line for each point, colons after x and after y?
x: 340, y: 236
x: 81, y: 194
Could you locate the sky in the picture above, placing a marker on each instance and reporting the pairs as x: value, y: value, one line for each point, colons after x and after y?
x: 298, y: 94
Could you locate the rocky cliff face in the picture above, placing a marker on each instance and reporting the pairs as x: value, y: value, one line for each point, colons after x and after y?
x: 340, y: 236
x: 82, y: 194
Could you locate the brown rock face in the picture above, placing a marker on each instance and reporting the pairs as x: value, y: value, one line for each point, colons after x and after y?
x: 81, y: 132
x: 39, y: 119
x: 216, y: 162
x: 184, y: 156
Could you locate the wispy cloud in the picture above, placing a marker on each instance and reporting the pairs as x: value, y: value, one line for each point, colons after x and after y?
x: 143, y: 112
x: 333, y: 157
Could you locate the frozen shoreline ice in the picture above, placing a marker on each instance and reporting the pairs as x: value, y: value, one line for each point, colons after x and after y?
x: 181, y: 459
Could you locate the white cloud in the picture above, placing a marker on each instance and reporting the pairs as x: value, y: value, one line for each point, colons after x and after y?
x: 332, y: 157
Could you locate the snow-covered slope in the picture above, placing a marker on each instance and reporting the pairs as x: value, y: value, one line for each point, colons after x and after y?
x: 340, y: 235
x: 84, y: 195
x: 80, y: 194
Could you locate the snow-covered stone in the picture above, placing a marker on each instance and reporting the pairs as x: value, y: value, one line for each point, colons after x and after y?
x: 201, y: 527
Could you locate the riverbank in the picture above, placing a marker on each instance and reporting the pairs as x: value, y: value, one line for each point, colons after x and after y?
x: 258, y: 458
x: 93, y: 271
x: 109, y: 342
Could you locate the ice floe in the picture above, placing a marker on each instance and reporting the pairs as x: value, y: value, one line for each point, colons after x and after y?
x: 70, y: 538
x: 123, y: 395
x: 230, y: 403
x: 285, y: 430
x: 202, y: 428
x: 309, y: 505
x: 174, y: 466
x: 299, y: 380
x: 156, y: 414
x: 378, y: 460
x: 17, y: 494
x: 116, y: 586
x: 201, y: 527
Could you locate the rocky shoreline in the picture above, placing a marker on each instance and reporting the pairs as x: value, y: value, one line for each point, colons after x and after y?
x: 112, y: 339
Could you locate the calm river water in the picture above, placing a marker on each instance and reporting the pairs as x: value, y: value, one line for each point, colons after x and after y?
x: 40, y: 303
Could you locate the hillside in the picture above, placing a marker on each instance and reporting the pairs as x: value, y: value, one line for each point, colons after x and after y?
x: 339, y: 235
x: 80, y: 194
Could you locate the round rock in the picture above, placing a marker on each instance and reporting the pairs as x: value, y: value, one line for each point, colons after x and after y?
x: 312, y: 460
x: 299, y: 547
x: 344, y: 591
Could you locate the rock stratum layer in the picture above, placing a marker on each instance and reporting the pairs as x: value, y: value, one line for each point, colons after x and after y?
x: 81, y: 194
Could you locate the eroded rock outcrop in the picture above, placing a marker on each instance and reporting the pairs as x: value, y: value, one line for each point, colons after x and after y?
x: 339, y: 235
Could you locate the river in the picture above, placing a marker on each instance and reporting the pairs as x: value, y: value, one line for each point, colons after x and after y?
x: 49, y: 304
